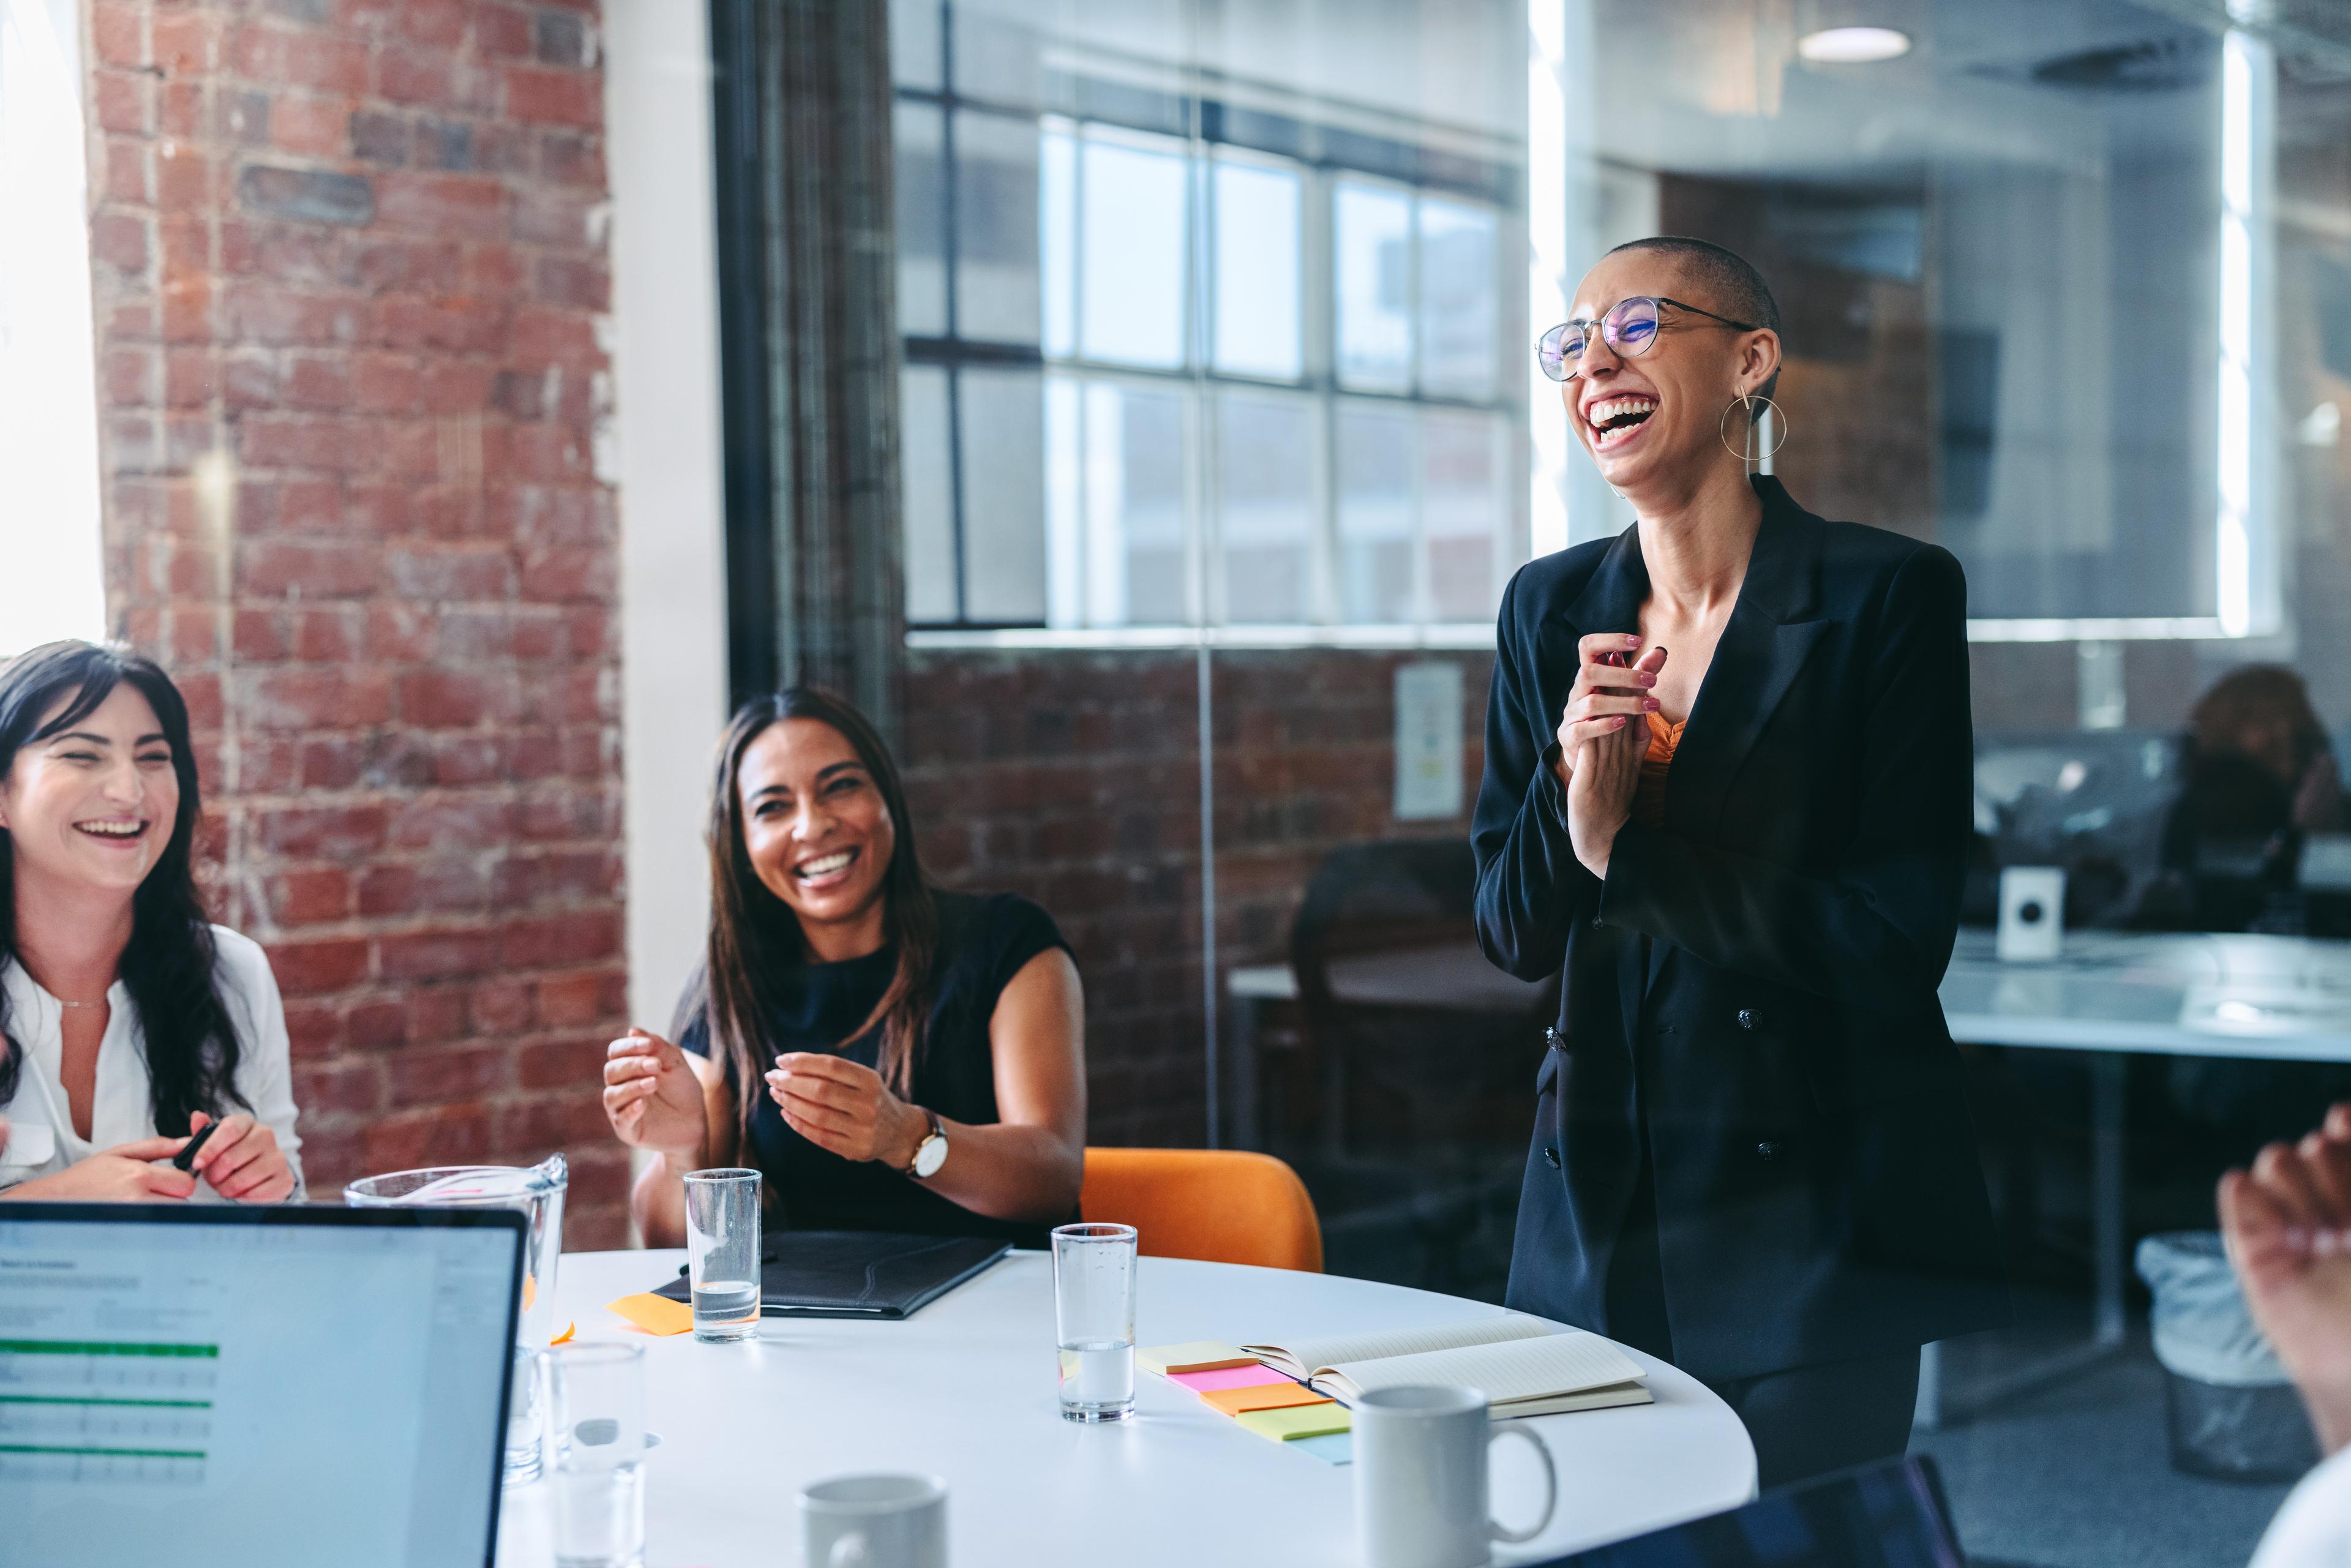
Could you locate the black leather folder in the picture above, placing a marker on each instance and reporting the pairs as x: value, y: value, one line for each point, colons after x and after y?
x: 882, y: 1274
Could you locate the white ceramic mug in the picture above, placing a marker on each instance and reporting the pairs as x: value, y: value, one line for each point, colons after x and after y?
x: 1420, y: 1478
x: 874, y: 1522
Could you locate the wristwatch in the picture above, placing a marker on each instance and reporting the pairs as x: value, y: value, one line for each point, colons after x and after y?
x: 931, y: 1153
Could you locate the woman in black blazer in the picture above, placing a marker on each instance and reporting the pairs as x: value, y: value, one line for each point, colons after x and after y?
x: 1752, y: 1153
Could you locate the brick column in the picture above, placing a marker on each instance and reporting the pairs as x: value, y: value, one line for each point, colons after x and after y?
x: 350, y: 270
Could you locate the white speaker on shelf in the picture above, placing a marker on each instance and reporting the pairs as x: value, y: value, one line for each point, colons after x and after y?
x: 2032, y: 915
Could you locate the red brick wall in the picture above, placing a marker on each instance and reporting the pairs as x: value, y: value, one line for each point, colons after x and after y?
x: 1074, y: 778
x: 350, y: 264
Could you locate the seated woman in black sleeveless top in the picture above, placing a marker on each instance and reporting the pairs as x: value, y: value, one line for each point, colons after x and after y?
x: 915, y: 1058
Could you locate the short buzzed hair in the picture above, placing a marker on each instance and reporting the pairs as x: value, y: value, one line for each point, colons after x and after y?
x: 1729, y: 279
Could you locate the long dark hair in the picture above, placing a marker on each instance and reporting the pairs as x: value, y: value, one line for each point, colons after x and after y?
x: 756, y: 939
x: 191, y: 1046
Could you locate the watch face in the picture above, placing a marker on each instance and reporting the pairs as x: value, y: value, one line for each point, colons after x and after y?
x: 931, y: 1156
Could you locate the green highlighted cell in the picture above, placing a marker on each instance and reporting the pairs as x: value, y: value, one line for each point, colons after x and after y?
x: 104, y: 1453
x: 70, y: 1399
x: 74, y: 1347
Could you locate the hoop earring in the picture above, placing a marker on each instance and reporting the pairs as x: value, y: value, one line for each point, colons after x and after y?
x: 1748, y: 401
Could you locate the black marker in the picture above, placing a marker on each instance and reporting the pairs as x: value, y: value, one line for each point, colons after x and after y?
x: 187, y: 1158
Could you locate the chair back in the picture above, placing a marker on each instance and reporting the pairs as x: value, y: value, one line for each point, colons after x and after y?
x: 1224, y: 1206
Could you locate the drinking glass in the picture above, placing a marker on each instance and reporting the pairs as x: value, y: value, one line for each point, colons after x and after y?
x: 722, y: 1242
x: 525, y: 1417
x: 1093, y: 1312
x: 598, y: 1397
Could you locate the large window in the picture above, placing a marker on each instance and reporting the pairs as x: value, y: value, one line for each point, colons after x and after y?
x: 1174, y: 362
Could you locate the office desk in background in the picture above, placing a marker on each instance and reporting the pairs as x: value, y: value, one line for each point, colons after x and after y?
x: 2114, y: 993
x: 964, y: 1390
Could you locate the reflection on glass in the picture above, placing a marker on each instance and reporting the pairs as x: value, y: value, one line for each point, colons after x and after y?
x: 1002, y: 416
x: 1266, y: 493
x: 926, y: 491
x: 922, y: 223
x: 1458, y: 303
x: 1461, y: 497
x: 995, y: 227
x: 1132, y: 216
x: 1375, y: 513
x: 1057, y: 241
x: 1114, y: 464
x: 1257, y: 278
x: 1371, y: 237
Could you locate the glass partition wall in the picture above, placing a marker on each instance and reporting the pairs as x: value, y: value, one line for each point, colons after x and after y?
x: 1221, y: 438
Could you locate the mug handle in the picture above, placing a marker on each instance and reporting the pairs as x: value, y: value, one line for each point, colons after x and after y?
x: 1551, y: 1485
x: 849, y: 1551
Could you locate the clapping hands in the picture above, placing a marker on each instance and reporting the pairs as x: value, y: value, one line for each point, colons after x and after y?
x: 2287, y: 1225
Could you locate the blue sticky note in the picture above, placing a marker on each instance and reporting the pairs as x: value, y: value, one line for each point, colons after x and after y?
x: 1332, y: 1448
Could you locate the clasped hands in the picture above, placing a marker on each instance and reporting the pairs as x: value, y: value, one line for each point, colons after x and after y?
x: 242, y: 1162
x: 1603, y: 734
x: 654, y: 1101
x: 2287, y: 1225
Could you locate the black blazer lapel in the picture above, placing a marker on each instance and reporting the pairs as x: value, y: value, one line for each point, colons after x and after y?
x: 1764, y: 645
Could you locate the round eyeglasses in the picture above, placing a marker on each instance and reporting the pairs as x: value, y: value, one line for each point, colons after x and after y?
x: 1630, y: 327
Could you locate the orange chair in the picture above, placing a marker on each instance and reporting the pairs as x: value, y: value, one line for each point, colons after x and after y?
x: 1221, y: 1205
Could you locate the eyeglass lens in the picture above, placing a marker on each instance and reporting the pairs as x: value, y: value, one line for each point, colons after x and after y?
x: 1630, y: 325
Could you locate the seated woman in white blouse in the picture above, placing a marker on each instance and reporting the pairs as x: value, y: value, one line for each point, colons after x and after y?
x: 126, y: 1022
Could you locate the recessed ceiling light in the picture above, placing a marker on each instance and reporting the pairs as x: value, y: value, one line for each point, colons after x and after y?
x: 1854, y: 46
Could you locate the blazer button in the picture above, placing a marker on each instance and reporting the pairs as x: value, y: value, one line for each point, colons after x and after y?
x: 1551, y: 1158
x: 1767, y: 1150
x: 1747, y: 1017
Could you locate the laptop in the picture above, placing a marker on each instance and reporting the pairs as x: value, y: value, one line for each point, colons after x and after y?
x: 224, y: 1386
x: 1890, y: 1515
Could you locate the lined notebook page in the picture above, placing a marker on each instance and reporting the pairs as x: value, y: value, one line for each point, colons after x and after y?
x: 1521, y: 1369
x: 1337, y: 1349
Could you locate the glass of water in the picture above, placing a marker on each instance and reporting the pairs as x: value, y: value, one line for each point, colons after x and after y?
x: 1093, y: 1312
x: 598, y: 1394
x: 722, y: 1241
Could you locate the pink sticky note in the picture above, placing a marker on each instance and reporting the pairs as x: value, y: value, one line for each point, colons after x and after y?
x: 1228, y: 1377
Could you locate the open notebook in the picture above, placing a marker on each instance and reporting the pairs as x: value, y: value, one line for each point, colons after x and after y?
x: 1527, y: 1367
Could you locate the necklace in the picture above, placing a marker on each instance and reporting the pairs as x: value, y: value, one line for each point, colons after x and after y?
x: 63, y: 1003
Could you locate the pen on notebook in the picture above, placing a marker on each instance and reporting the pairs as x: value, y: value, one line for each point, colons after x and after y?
x: 187, y: 1158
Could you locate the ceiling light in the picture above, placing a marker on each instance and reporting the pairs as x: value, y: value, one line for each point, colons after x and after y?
x: 1854, y: 46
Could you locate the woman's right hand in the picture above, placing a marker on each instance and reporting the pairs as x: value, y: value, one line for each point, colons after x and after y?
x: 1605, y: 699
x: 653, y: 1096
x: 119, y: 1175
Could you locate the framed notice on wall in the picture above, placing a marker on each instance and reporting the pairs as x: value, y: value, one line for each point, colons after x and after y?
x: 1427, y: 741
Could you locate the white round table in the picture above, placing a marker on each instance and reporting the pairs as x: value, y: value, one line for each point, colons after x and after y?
x: 964, y: 1390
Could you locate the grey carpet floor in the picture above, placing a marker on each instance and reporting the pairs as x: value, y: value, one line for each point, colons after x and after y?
x: 2077, y: 1474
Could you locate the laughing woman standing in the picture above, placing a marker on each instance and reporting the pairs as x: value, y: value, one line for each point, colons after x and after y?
x: 889, y: 1056
x: 126, y: 1021
x: 1727, y: 784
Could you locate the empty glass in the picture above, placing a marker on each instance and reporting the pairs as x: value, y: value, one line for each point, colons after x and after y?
x: 1093, y: 1314
x: 722, y: 1253
x: 597, y: 1393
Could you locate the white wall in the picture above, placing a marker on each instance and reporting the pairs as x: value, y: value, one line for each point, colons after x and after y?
x: 673, y: 573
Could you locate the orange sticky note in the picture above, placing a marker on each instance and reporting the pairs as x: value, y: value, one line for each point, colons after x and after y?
x: 654, y: 1314
x: 565, y: 1337
x: 1268, y: 1396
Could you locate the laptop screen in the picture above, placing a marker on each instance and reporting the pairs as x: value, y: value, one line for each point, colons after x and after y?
x: 200, y: 1386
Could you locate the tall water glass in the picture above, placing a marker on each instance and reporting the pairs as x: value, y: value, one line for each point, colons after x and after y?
x: 1094, y: 1314
x: 597, y: 1392
x: 722, y: 1253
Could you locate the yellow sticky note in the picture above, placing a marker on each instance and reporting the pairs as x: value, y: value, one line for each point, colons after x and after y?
x: 1194, y: 1355
x: 1268, y: 1396
x: 654, y: 1314
x: 1298, y: 1421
